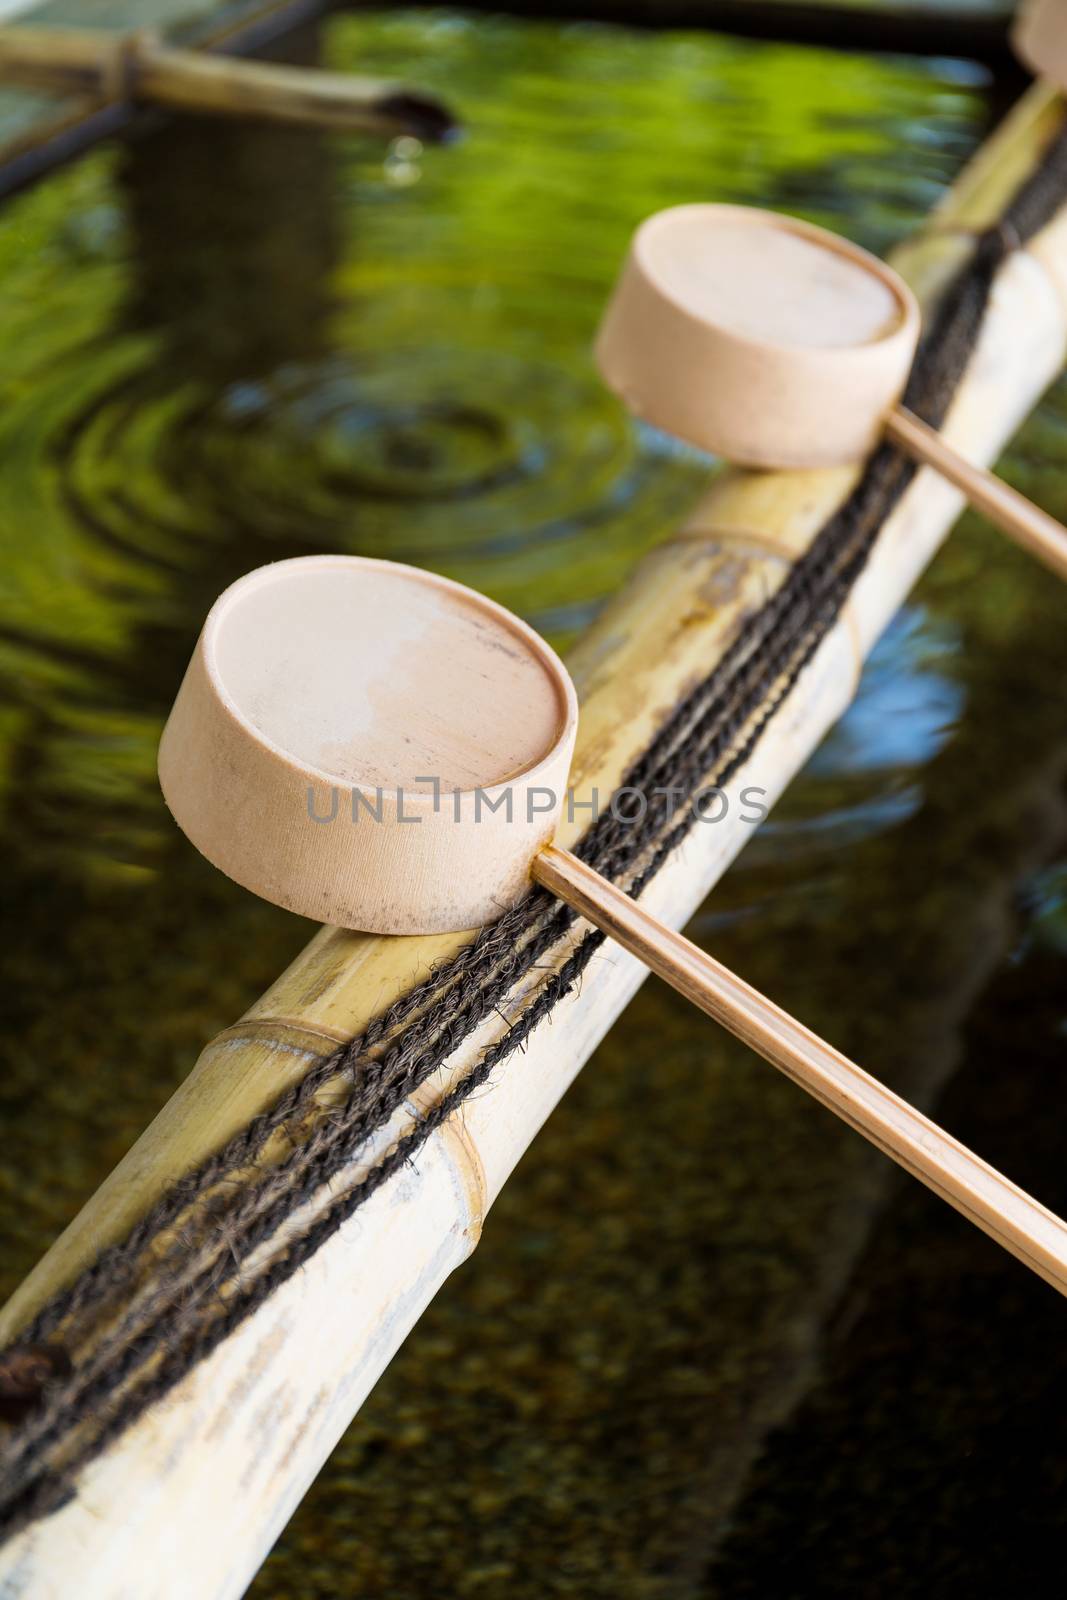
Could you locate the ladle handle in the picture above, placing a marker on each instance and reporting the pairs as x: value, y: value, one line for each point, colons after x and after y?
x: 1009, y: 1215
x: 1008, y: 510
x: 136, y: 66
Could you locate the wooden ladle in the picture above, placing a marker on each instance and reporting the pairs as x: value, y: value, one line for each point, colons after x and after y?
x: 380, y: 748
x: 773, y: 343
x: 1039, y: 39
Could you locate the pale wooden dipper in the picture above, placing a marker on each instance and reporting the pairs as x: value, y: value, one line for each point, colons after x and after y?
x: 1039, y: 39
x: 412, y: 696
x: 773, y: 343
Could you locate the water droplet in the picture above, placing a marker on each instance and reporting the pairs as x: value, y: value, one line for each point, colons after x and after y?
x: 401, y: 165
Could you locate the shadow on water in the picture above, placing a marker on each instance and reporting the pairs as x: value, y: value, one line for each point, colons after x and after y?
x: 703, y: 1324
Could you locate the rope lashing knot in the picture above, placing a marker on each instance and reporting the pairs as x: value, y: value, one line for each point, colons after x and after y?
x: 26, y: 1370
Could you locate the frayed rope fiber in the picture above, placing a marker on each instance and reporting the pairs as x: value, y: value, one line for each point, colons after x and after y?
x: 209, y: 1252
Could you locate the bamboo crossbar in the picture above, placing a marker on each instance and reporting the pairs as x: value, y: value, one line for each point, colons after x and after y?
x: 140, y: 67
x: 192, y: 1517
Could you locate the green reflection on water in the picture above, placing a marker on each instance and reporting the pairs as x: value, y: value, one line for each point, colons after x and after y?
x: 226, y: 345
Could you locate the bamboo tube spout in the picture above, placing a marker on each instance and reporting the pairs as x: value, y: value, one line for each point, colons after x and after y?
x: 139, y: 67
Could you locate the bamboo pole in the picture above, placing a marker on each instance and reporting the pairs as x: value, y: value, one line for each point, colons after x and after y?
x: 140, y: 67
x: 192, y: 1496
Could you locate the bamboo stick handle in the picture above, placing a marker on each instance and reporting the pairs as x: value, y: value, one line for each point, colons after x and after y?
x: 1034, y: 530
x: 138, y: 66
x: 1009, y: 1215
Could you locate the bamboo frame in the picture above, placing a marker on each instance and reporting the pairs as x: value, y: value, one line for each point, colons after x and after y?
x: 140, y: 67
x: 162, y: 1502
